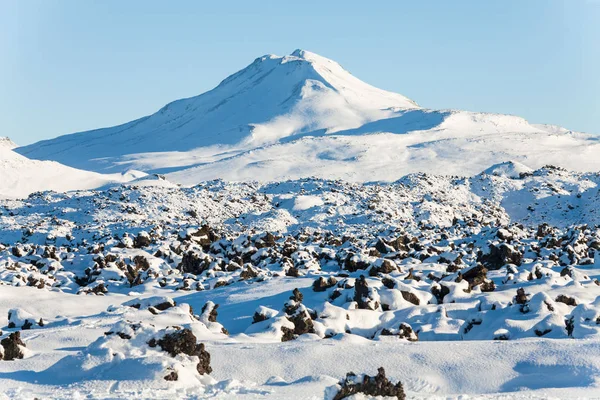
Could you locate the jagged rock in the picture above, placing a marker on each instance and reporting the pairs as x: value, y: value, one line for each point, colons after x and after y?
x: 501, y: 255
x: 263, y: 313
x: 12, y: 346
x: 521, y: 297
x: 297, y: 296
x: 352, y: 263
x: 184, y: 341
x: 406, y: 332
x: 288, y: 334
x: 475, y: 276
x: 335, y: 294
x: 142, y: 240
x: 99, y: 289
x: 375, y: 386
x: 570, y: 301
x: 322, y: 284
x: 363, y: 295
x: 299, y: 315
x: 192, y: 263
x: 248, y: 273
x: 171, y: 376
x: 212, y: 311
x: 267, y: 240
x: 440, y: 291
x: 382, y: 247
x: 205, y: 236
x: 410, y: 297
x: 258, y: 317
x: 302, y: 323
x: 570, y: 325
x: 385, y: 267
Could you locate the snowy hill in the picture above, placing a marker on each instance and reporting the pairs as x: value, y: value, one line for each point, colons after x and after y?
x: 304, y: 115
x: 22, y: 176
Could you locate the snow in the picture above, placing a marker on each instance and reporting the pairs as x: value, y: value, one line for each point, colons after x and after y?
x: 302, y: 203
x: 509, y: 169
x: 6, y: 143
x: 22, y: 176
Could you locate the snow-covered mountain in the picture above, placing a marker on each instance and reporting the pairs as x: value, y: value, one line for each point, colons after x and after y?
x: 304, y: 115
x: 271, y: 290
x: 22, y: 176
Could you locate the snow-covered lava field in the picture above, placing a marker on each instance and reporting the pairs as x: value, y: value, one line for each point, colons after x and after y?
x: 480, y: 287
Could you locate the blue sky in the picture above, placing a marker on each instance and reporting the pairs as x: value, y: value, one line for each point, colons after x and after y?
x: 70, y: 65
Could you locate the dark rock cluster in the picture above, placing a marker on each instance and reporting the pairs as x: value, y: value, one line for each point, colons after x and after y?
x: 374, y: 386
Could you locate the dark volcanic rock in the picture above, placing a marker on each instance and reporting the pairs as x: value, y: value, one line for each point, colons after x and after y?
x: 501, y: 255
x: 410, y: 297
x: 192, y: 263
x: 521, y: 297
x: 566, y: 300
x: 172, y: 376
x: 184, y: 341
x: 141, y: 241
x: 377, y: 385
x: 322, y: 284
x: 440, y: 291
x: 362, y: 295
x: 11, y: 347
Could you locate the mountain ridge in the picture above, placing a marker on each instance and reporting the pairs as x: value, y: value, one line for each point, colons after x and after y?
x: 300, y: 115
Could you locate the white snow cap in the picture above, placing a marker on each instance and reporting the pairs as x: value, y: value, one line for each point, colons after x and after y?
x: 508, y: 169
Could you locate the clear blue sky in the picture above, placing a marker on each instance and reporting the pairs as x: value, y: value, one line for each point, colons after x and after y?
x: 75, y: 65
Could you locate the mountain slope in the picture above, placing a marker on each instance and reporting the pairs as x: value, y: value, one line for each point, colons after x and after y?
x: 303, y: 115
x: 22, y: 176
x: 454, y: 148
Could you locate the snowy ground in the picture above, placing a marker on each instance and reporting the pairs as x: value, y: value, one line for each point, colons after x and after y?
x: 481, y: 287
x: 535, y: 368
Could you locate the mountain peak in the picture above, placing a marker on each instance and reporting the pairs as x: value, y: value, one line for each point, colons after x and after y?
x: 311, y: 57
x: 299, y: 53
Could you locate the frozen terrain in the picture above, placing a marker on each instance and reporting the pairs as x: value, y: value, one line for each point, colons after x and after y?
x: 481, y: 287
x: 21, y: 176
x: 290, y: 232
x: 303, y: 115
